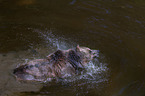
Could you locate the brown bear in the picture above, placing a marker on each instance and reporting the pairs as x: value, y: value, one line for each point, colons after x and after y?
x: 59, y: 64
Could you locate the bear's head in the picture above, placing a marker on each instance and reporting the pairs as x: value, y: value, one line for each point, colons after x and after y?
x: 87, y: 53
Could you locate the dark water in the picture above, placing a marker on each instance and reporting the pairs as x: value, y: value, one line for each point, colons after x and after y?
x: 32, y: 29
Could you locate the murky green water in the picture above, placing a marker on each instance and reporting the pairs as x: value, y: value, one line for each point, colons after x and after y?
x: 32, y: 29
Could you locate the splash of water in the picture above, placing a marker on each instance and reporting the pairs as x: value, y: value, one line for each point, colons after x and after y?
x: 93, y: 73
x: 95, y: 70
x: 54, y: 41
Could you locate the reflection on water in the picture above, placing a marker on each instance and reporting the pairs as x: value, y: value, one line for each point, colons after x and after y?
x: 32, y: 29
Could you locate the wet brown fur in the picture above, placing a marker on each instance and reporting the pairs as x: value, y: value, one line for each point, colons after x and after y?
x: 56, y: 65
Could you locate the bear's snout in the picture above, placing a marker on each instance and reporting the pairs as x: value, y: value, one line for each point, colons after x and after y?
x: 95, y: 53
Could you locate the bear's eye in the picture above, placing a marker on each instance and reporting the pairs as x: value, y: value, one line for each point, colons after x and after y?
x: 26, y: 67
x: 90, y: 51
x: 31, y: 66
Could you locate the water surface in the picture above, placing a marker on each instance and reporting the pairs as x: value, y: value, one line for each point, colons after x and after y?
x: 31, y: 29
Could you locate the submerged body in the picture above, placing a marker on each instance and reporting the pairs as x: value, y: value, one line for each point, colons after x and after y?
x: 59, y: 64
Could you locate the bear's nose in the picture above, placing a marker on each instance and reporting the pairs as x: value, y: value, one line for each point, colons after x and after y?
x: 95, y: 53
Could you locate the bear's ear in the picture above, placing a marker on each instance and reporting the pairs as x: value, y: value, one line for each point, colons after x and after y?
x: 77, y: 48
x: 48, y: 57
